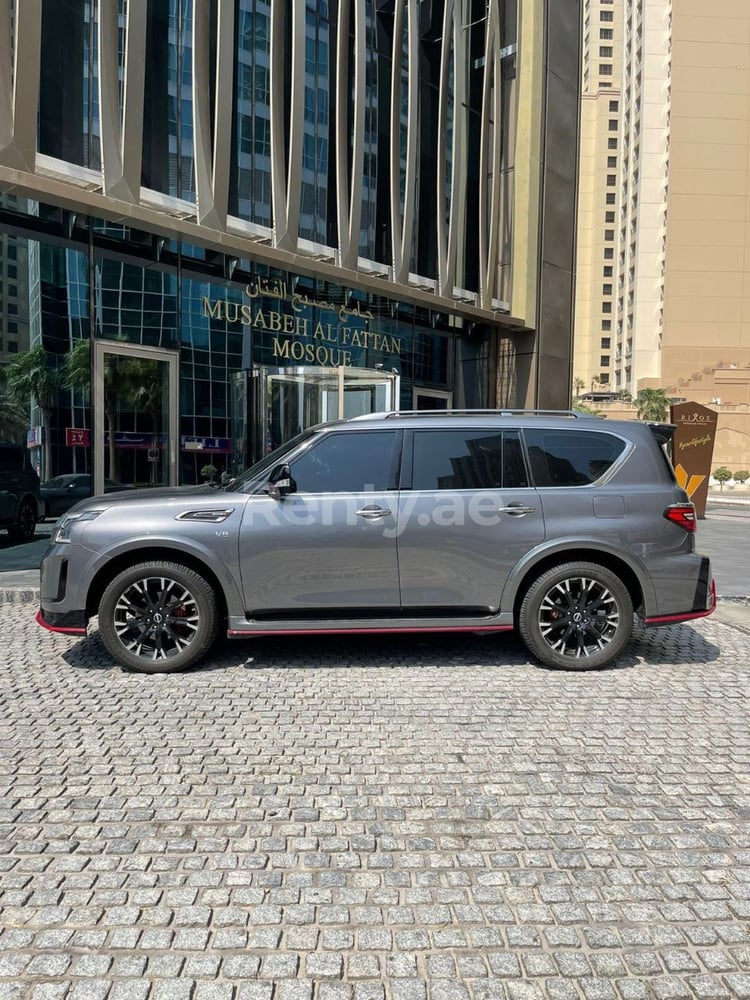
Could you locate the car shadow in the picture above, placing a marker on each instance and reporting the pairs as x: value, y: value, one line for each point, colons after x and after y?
x: 676, y: 645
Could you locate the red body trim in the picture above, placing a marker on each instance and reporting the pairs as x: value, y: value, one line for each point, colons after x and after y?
x: 236, y: 633
x: 685, y: 617
x: 56, y: 628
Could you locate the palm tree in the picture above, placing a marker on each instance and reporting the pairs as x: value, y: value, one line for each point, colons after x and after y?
x: 578, y: 385
x: 29, y: 378
x: 14, y: 417
x: 76, y: 374
x: 653, y: 404
x: 145, y: 391
x: 133, y: 380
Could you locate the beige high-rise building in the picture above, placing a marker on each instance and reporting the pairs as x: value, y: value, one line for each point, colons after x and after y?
x: 663, y: 291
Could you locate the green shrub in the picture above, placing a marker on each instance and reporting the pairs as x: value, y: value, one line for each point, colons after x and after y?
x: 722, y: 475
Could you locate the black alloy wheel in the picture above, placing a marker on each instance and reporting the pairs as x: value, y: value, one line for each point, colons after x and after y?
x: 25, y: 524
x: 576, y: 616
x: 158, y: 617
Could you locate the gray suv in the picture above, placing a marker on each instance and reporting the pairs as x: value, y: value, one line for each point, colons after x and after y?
x: 558, y: 525
x: 19, y: 492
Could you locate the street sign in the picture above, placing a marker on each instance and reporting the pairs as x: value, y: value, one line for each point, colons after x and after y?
x: 77, y: 437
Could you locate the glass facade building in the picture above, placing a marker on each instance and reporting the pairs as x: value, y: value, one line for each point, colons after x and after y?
x: 237, y: 218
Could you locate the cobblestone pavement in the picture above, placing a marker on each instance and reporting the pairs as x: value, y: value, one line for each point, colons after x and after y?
x: 391, y: 819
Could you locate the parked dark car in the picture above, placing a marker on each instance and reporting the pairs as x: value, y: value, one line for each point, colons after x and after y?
x: 59, y: 494
x: 20, y: 504
x: 558, y: 525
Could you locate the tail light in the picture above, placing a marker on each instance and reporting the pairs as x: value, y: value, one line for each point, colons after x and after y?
x: 683, y: 515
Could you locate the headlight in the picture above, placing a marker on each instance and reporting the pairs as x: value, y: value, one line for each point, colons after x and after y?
x: 63, y: 529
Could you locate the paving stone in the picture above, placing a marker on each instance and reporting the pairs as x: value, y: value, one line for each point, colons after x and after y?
x: 90, y: 989
x: 408, y: 989
x: 410, y: 814
x: 213, y: 991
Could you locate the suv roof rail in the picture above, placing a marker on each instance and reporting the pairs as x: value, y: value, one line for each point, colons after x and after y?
x: 500, y: 411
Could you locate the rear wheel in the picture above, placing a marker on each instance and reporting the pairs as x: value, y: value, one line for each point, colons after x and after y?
x: 25, y: 524
x: 158, y: 617
x: 577, y: 616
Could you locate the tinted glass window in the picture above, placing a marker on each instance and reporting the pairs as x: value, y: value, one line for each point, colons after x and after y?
x: 346, y: 463
x: 467, y: 460
x: 570, y: 458
x: 10, y: 460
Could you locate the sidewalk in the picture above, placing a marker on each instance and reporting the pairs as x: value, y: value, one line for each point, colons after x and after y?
x: 19, y: 566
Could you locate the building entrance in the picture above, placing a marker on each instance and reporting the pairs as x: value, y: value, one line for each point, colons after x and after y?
x: 135, y: 416
x: 284, y: 401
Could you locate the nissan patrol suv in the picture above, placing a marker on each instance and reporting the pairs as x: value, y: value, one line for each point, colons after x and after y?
x: 559, y: 525
x: 19, y: 492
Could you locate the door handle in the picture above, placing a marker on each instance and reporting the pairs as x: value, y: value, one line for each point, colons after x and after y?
x: 372, y: 513
x: 516, y: 509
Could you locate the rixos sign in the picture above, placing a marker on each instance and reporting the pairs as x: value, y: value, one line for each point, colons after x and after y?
x: 295, y: 336
x: 692, y: 450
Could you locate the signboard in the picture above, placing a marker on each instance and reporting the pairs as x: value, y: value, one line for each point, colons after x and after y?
x: 35, y: 437
x: 220, y: 446
x: 77, y: 436
x: 290, y: 327
x: 133, y: 439
x: 693, y: 449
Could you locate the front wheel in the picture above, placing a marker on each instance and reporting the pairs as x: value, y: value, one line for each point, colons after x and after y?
x: 577, y: 616
x: 158, y: 617
x: 25, y: 524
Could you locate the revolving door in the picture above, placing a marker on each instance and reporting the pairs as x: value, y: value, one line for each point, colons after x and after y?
x: 289, y: 400
x: 281, y: 402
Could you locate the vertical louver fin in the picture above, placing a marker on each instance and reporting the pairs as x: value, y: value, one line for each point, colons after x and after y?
x: 212, y: 126
x: 490, y: 176
x: 20, y: 32
x: 451, y: 189
x: 406, y: 21
x: 121, y: 133
x: 287, y: 117
x: 350, y: 80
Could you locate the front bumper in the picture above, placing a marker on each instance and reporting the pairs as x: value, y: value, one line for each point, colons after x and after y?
x: 62, y: 603
x: 67, y: 622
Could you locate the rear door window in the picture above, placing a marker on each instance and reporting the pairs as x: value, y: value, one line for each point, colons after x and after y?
x: 468, y: 459
x: 570, y: 458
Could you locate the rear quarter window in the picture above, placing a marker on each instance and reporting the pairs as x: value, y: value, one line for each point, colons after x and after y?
x: 570, y: 458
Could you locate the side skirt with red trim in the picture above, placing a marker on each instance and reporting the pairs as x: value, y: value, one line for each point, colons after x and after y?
x: 374, y: 630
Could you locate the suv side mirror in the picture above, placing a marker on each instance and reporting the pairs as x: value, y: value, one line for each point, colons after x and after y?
x: 280, y: 482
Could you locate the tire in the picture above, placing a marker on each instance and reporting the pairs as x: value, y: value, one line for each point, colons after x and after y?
x: 576, y: 616
x: 25, y: 524
x: 132, y: 631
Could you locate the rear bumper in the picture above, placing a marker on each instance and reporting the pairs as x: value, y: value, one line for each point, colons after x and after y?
x: 686, y: 616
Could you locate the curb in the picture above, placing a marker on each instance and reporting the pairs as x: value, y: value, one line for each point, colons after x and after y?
x: 19, y: 595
